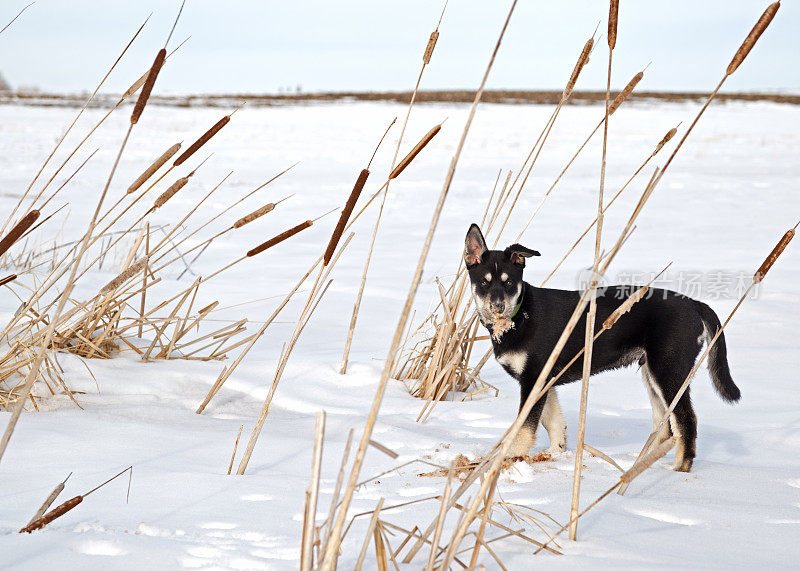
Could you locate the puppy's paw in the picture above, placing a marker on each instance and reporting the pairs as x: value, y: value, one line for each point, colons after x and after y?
x: 524, y: 441
x: 684, y: 465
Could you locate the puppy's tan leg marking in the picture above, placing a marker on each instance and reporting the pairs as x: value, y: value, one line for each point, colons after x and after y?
x: 554, y: 423
x: 526, y: 438
x: 657, y: 404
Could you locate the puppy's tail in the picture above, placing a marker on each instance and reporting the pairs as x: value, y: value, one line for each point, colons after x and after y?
x: 718, y: 356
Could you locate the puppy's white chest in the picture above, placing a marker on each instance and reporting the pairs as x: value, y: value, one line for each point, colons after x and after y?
x: 514, y: 361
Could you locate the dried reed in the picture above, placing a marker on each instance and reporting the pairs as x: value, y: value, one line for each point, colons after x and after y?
x: 14, y: 19
x: 590, y: 318
x: 331, y: 552
x: 306, y: 555
x: 235, y: 447
x: 426, y: 59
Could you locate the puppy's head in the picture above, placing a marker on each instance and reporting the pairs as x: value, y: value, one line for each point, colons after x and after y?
x: 496, y: 275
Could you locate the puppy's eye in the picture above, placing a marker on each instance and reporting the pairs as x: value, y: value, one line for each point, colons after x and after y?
x: 484, y: 283
x: 509, y: 283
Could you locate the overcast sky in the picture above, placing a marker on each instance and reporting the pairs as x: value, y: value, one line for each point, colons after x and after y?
x: 339, y: 45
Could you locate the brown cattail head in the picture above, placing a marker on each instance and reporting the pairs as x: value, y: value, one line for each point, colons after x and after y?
x: 279, y: 238
x: 8, y: 279
x: 613, y: 14
x: 18, y: 230
x: 665, y: 140
x: 623, y: 95
x: 583, y: 59
x: 202, y: 140
x: 426, y: 57
x: 148, y: 85
x: 414, y: 152
x: 753, y: 36
x: 776, y: 251
x: 345, y: 215
x: 51, y: 515
x: 124, y: 276
x: 625, y: 307
x: 170, y: 192
x: 151, y: 170
x: 253, y: 215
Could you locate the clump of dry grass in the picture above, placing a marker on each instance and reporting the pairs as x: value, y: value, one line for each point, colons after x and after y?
x: 462, y: 465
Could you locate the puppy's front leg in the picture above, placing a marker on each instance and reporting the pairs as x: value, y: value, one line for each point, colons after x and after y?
x: 526, y: 437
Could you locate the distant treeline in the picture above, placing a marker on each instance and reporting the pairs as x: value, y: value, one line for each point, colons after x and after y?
x: 36, y: 98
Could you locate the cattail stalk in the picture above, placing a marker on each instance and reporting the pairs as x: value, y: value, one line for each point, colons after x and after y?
x: 8, y: 279
x: 753, y: 36
x: 151, y: 170
x: 663, y: 141
x: 133, y: 270
x: 330, y: 555
x: 68, y: 505
x: 773, y: 256
x: 588, y: 347
x: 49, y: 500
x: 385, y: 188
x: 267, y: 208
x: 613, y: 107
x: 202, y: 140
x: 313, y: 489
x: 667, y: 138
x: 279, y: 238
x: 50, y: 516
x: 625, y: 307
x: 414, y: 152
x: 757, y: 278
x: 542, y: 138
x: 305, y: 316
x: 623, y: 95
x: 170, y: 192
x: 345, y: 215
x: 147, y: 88
x: 582, y: 59
x: 613, y: 15
x: 67, y: 131
x: 235, y: 447
x: 18, y: 230
x: 665, y: 447
x: 426, y: 57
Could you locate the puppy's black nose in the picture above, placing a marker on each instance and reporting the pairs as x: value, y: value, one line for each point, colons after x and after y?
x: 498, y: 307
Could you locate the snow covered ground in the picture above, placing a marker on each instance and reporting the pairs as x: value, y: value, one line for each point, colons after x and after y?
x: 729, y: 196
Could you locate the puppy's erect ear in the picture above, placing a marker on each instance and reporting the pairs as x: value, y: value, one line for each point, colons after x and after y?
x: 517, y: 254
x: 474, y: 246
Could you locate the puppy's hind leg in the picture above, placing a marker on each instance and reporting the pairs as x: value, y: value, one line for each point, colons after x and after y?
x: 656, y: 403
x: 554, y: 423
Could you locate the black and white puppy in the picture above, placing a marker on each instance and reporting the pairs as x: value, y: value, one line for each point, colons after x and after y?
x: 663, y: 333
